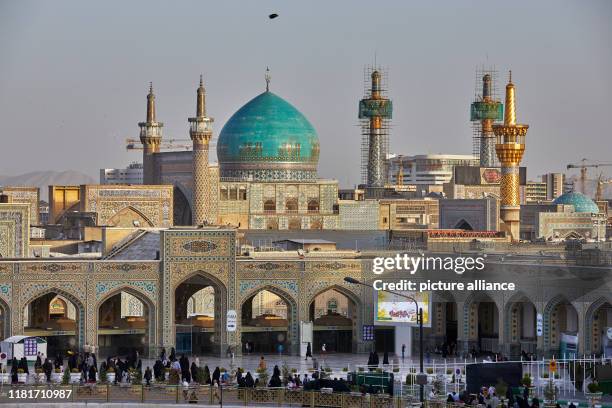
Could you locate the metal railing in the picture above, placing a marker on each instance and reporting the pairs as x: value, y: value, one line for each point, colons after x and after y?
x: 203, y: 395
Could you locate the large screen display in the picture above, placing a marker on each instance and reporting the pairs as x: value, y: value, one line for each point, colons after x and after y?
x: 393, y: 309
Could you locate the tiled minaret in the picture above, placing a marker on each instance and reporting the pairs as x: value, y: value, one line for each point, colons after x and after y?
x: 201, y: 132
x: 150, y: 137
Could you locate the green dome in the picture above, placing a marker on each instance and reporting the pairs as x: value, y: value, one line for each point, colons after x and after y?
x: 268, y: 139
x: 581, y: 203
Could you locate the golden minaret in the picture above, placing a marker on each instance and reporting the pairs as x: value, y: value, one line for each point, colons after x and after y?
x: 200, y: 131
x: 150, y: 137
x: 509, y: 147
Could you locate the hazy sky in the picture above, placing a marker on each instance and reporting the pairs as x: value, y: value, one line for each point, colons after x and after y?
x: 74, y: 74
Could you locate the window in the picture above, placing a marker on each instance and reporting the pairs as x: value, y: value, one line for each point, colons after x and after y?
x: 269, y: 205
x: 313, y: 205
x: 242, y: 194
x: 291, y: 204
x: 223, y: 194
x: 332, y: 306
x: 233, y: 193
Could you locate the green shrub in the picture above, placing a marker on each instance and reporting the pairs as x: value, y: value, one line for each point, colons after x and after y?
x: 544, y: 375
x: 430, y: 370
x: 449, y: 371
x: 103, y: 376
x: 66, y: 377
x: 526, y: 381
x: 263, y: 376
x: 593, y: 387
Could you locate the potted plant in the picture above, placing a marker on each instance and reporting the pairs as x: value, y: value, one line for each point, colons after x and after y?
x: 345, y: 369
x: 56, y: 375
x: 39, y: 376
x: 22, y: 377
x: 594, y: 393
x: 5, y: 377
x: 75, y: 376
x: 103, y: 376
x: 544, y: 375
x: 66, y: 377
x: 526, y: 381
x: 430, y: 370
x: 550, y: 393
x: 110, y: 374
x: 262, y: 374
x: 501, y: 388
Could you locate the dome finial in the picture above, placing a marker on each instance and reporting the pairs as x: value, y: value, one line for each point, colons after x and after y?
x: 268, y: 78
x: 201, y: 80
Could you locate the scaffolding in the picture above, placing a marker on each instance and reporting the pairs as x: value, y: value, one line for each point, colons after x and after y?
x: 375, y: 112
x: 477, y: 114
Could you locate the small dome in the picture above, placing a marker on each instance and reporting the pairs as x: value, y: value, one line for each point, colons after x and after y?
x: 581, y: 203
x: 268, y: 140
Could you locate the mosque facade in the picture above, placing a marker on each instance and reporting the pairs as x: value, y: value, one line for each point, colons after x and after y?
x: 176, y: 279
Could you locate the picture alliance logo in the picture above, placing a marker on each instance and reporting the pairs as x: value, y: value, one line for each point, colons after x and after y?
x: 412, y: 264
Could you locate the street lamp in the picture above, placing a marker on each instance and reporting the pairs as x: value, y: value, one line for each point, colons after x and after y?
x: 421, y: 378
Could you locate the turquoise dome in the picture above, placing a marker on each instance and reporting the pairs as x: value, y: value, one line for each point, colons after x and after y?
x: 268, y: 140
x: 581, y: 203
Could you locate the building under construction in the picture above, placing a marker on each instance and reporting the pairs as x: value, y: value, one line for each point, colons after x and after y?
x: 375, y: 112
x: 485, y: 110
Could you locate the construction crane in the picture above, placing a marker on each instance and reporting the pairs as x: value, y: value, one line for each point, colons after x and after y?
x: 583, y: 166
x: 168, y: 144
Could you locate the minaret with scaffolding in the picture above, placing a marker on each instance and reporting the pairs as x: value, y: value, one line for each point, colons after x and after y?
x: 510, y: 147
x: 375, y: 112
x: 485, y: 110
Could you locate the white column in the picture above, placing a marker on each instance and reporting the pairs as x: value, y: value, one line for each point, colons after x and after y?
x: 403, y: 335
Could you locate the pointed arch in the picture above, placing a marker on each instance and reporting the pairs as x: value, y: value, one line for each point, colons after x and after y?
x: 6, y: 319
x: 588, y: 322
x: 519, y: 297
x: 182, y: 204
x: 547, y: 318
x: 117, y: 219
x: 73, y: 298
x: 141, y: 296
x: 292, y: 312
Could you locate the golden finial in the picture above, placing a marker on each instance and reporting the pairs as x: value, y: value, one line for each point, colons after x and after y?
x: 510, y: 76
x: 510, y: 109
x: 150, y: 104
x: 268, y: 78
x: 201, y: 101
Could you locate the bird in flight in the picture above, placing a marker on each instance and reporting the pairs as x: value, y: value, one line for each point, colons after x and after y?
x: 272, y: 16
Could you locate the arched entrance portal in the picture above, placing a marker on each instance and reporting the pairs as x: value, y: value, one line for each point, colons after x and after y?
x: 55, y: 317
x: 124, y: 325
x: 521, y: 326
x: 198, y: 315
x: 335, y: 316
x: 483, y: 327
x: 5, y: 320
x: 599, y: 324
x: 265, y: 323
x: 561, y: 319
x: 442, y: 335
x: 201, y: 318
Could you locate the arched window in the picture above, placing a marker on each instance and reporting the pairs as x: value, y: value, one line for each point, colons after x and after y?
x: 332, y: 306
x: 291, y: 204
x: 313, y: 205
x: 269, y: 205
